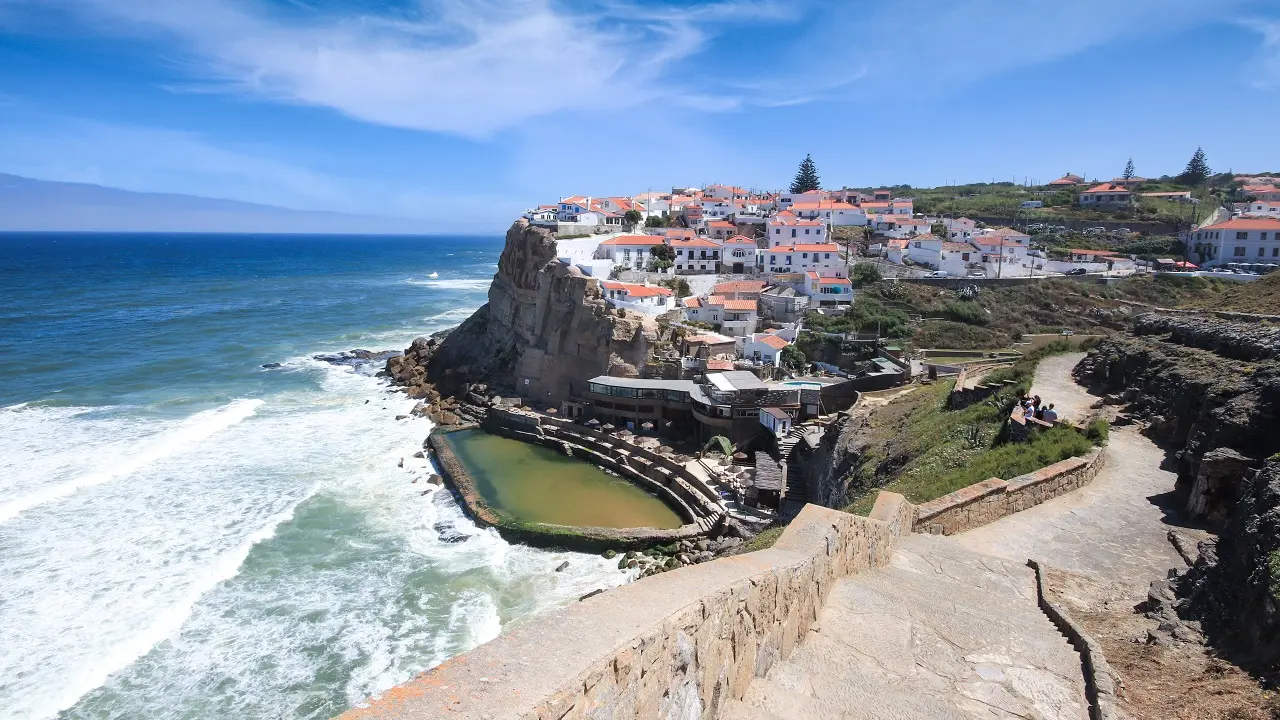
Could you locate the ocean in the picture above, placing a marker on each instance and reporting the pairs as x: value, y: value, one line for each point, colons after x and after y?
x: 186, y: 534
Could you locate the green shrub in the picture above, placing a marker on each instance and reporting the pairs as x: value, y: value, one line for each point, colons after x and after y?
x: 1098, y: 431
x: 966, y: 311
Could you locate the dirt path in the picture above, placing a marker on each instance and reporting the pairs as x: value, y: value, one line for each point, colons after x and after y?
x: 1115, y: 528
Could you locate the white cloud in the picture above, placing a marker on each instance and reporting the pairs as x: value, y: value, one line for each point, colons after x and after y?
x: 1265, y: 70
x: 465, y: 67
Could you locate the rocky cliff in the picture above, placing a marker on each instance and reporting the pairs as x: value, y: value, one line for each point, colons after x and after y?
x: 545, y: 331
x: 1209, y: 390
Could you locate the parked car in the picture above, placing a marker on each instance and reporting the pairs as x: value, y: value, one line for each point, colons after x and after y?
x: 1095, y: 231
x: 939, y: 274
x: 1077, y: 271
x: 977, y: 274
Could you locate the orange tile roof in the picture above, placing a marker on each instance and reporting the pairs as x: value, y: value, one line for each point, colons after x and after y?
x: 957, y: 247
x: 739, y: 240
x: 739, y: 304
x: 693, y: 302
x: 719, y: 364
x: 715, y: 300
x: 1245, y: 224
x: 739, y: 286
x: 773, y: 341
x: 1105, y: 188
x: 693, y: 242
x: 721, y: 224
x: 828, y: 281
x: 634, y: 240
x: 635, y: 289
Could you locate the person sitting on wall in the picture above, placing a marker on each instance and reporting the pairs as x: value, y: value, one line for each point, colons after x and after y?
x: 1050, y: 415
x: 1035, y: 405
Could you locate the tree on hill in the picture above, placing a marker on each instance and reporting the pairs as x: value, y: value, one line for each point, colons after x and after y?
x: 806, y: 176
x: 938, y: 229
x: 656, y: 221
x: 865, y: 274
x: 633, y: 217
x: 794, y: 358
x: 1197, y: 169
x: 1128, y: 169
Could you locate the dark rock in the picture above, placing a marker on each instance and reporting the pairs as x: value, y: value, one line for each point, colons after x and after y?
x: 610, y: 554
x: 402, y: 417
x: 420, y: 455
x: 593, y: 593
x: 562, y: 566
x: 449, y: 534
x: 435, y: 479
x: 1217, y: 485
x: 271, y: 366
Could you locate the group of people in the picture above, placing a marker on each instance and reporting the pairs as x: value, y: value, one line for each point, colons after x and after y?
x: 1032, y: 407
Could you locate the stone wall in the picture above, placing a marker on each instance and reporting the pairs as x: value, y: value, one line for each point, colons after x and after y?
x: 992, y: 499
x: 675, y: 645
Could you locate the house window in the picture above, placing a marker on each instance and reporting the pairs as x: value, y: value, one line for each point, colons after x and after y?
x: 1262, y: 236
x: 777, y: 231
x: 917, y: 244
x: 1239, y: 252
x: 1242, y: 236
x: 804, y: 255
x: 964, y: 257
x: 1275, y: 252
x: 826, y: 256
x: 1262, y: 252
x: 793, y: 232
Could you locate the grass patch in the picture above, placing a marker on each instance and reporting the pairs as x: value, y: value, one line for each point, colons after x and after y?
x: 924, y: 450
x: 762, y: 541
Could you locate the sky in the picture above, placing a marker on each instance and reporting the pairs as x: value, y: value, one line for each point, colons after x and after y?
x: 464, y: 113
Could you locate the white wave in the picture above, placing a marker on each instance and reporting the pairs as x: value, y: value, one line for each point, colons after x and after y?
x: 458, y: 284
x: 163, y: 624
x: 196, y: 428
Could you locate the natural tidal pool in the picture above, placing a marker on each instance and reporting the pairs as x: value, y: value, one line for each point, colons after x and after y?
x: 537, y: 484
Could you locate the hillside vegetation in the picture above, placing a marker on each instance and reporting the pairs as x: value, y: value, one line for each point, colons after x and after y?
x: 1262, y: 296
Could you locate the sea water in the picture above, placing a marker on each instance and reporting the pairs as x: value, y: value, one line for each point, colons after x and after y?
x: 186, y: 534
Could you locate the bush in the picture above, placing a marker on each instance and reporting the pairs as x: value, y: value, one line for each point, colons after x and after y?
x: 966, y: 311
x: 677, y: 285
x: 865, y: 274
x: 1098, y: 431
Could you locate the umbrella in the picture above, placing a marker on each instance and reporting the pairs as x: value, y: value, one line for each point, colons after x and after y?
x: 608, y: 427
x: 593, y: 422
x: 666, y: 449
x: 551, y: 411
x: 1184, y: 264
x: 739, y: 456
x: 646, y: 426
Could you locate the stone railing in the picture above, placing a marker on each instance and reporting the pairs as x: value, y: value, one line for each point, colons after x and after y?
x: 989, y: 500
x: 962, y: 397
x: 678, y: 644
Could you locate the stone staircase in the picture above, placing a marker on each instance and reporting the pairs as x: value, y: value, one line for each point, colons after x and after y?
x: 941, y: 633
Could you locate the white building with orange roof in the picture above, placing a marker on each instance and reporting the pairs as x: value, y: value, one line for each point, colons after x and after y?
x: 824, y: 291
x: 823, y: 258
x: 1007, y: 233
x: 786, y: 200
x: 629, y: 252
x: 727, y: 192
x: 696, y: 255
x: 898, y: 206
x: 831, y: 212
x: 720, y: 229
x: 1106, y: 196
x: 787, y: 229
x: 1261, y: 208
x: 740, y: 289
x: 764, y: 348
x: 958, y: 258
x: 901, y: 226
x: 1068, y: 180
x: 1265, y: 190
x: 1249, y: 240
x: 738, y: 254
x: 647, y: 299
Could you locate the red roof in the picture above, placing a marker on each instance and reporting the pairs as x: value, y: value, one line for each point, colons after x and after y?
x: 1246, y: 224
x: 738, y: 304
x: 693, y: 242
x: 738, y: 286
x: 692, y: 302
x: 957, y: 247
x: 721, y: 224
x: 773, y: 341
x: 819, y: 247
x: 1105, y: 188
x: 635, y: 290
x: 634, y: 240
x: 719, y: 364
x: 828, y: 280
x: 739, y: 240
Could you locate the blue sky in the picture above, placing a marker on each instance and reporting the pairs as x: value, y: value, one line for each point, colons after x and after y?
x: 464, y: 113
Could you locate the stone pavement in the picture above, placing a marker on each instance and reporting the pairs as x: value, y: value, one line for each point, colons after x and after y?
x: 1113, y: 529
x: 942, y: 633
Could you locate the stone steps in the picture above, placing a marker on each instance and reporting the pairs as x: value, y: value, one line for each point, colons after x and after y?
x: 942, y: 633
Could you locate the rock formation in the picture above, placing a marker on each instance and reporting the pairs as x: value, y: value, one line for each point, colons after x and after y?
x: 545, y: 331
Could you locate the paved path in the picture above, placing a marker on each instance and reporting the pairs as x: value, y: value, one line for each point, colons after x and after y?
x: 1113, y: 529
x: 1054, y: 384
x: 943, y: 633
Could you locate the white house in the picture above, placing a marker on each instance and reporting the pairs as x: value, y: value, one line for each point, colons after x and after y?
x: 776, y: 420
x: 1007, y: 233
x: 830, y: 212
x: 1002, y: 257
x: 901, y: 226
x: 957, y: 258
x: 764, y: 348
x: 787, y: 229
x: 713, y: 208
x: 1238, y: 240
x: 1262, y: 208
x: 720, y: 229
x: 631, y: 252
x: 925, y: 250
x: 1105, y: 197
x: 727, y: 192
x: 819, y: 257
x: 647, y: 299
x: 827, y: 291
x: 738, y: 254
x: 897, y: 206
x: 1265, y: 191
x: 736, y: 318
x: 786, y: 200
x: 696, y: 255
x: 543, y: 214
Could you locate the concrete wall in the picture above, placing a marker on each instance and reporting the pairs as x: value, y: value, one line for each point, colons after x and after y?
x: 993, y: 499
x: 675, y: 645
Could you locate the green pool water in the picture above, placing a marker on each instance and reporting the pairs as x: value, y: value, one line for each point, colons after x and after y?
x: 537, y: 484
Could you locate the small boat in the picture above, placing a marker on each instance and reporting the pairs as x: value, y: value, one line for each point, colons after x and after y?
x: 434, y: 275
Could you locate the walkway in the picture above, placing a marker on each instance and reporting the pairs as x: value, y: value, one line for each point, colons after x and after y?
x: 1114, y: 529
x: 942, y: 633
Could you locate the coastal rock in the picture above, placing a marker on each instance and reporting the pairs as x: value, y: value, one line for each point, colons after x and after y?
x: 356, y: 358
x: 271, y: 366
x: 562, y: 566
x: 545, y: 330
x: 449, y: 534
